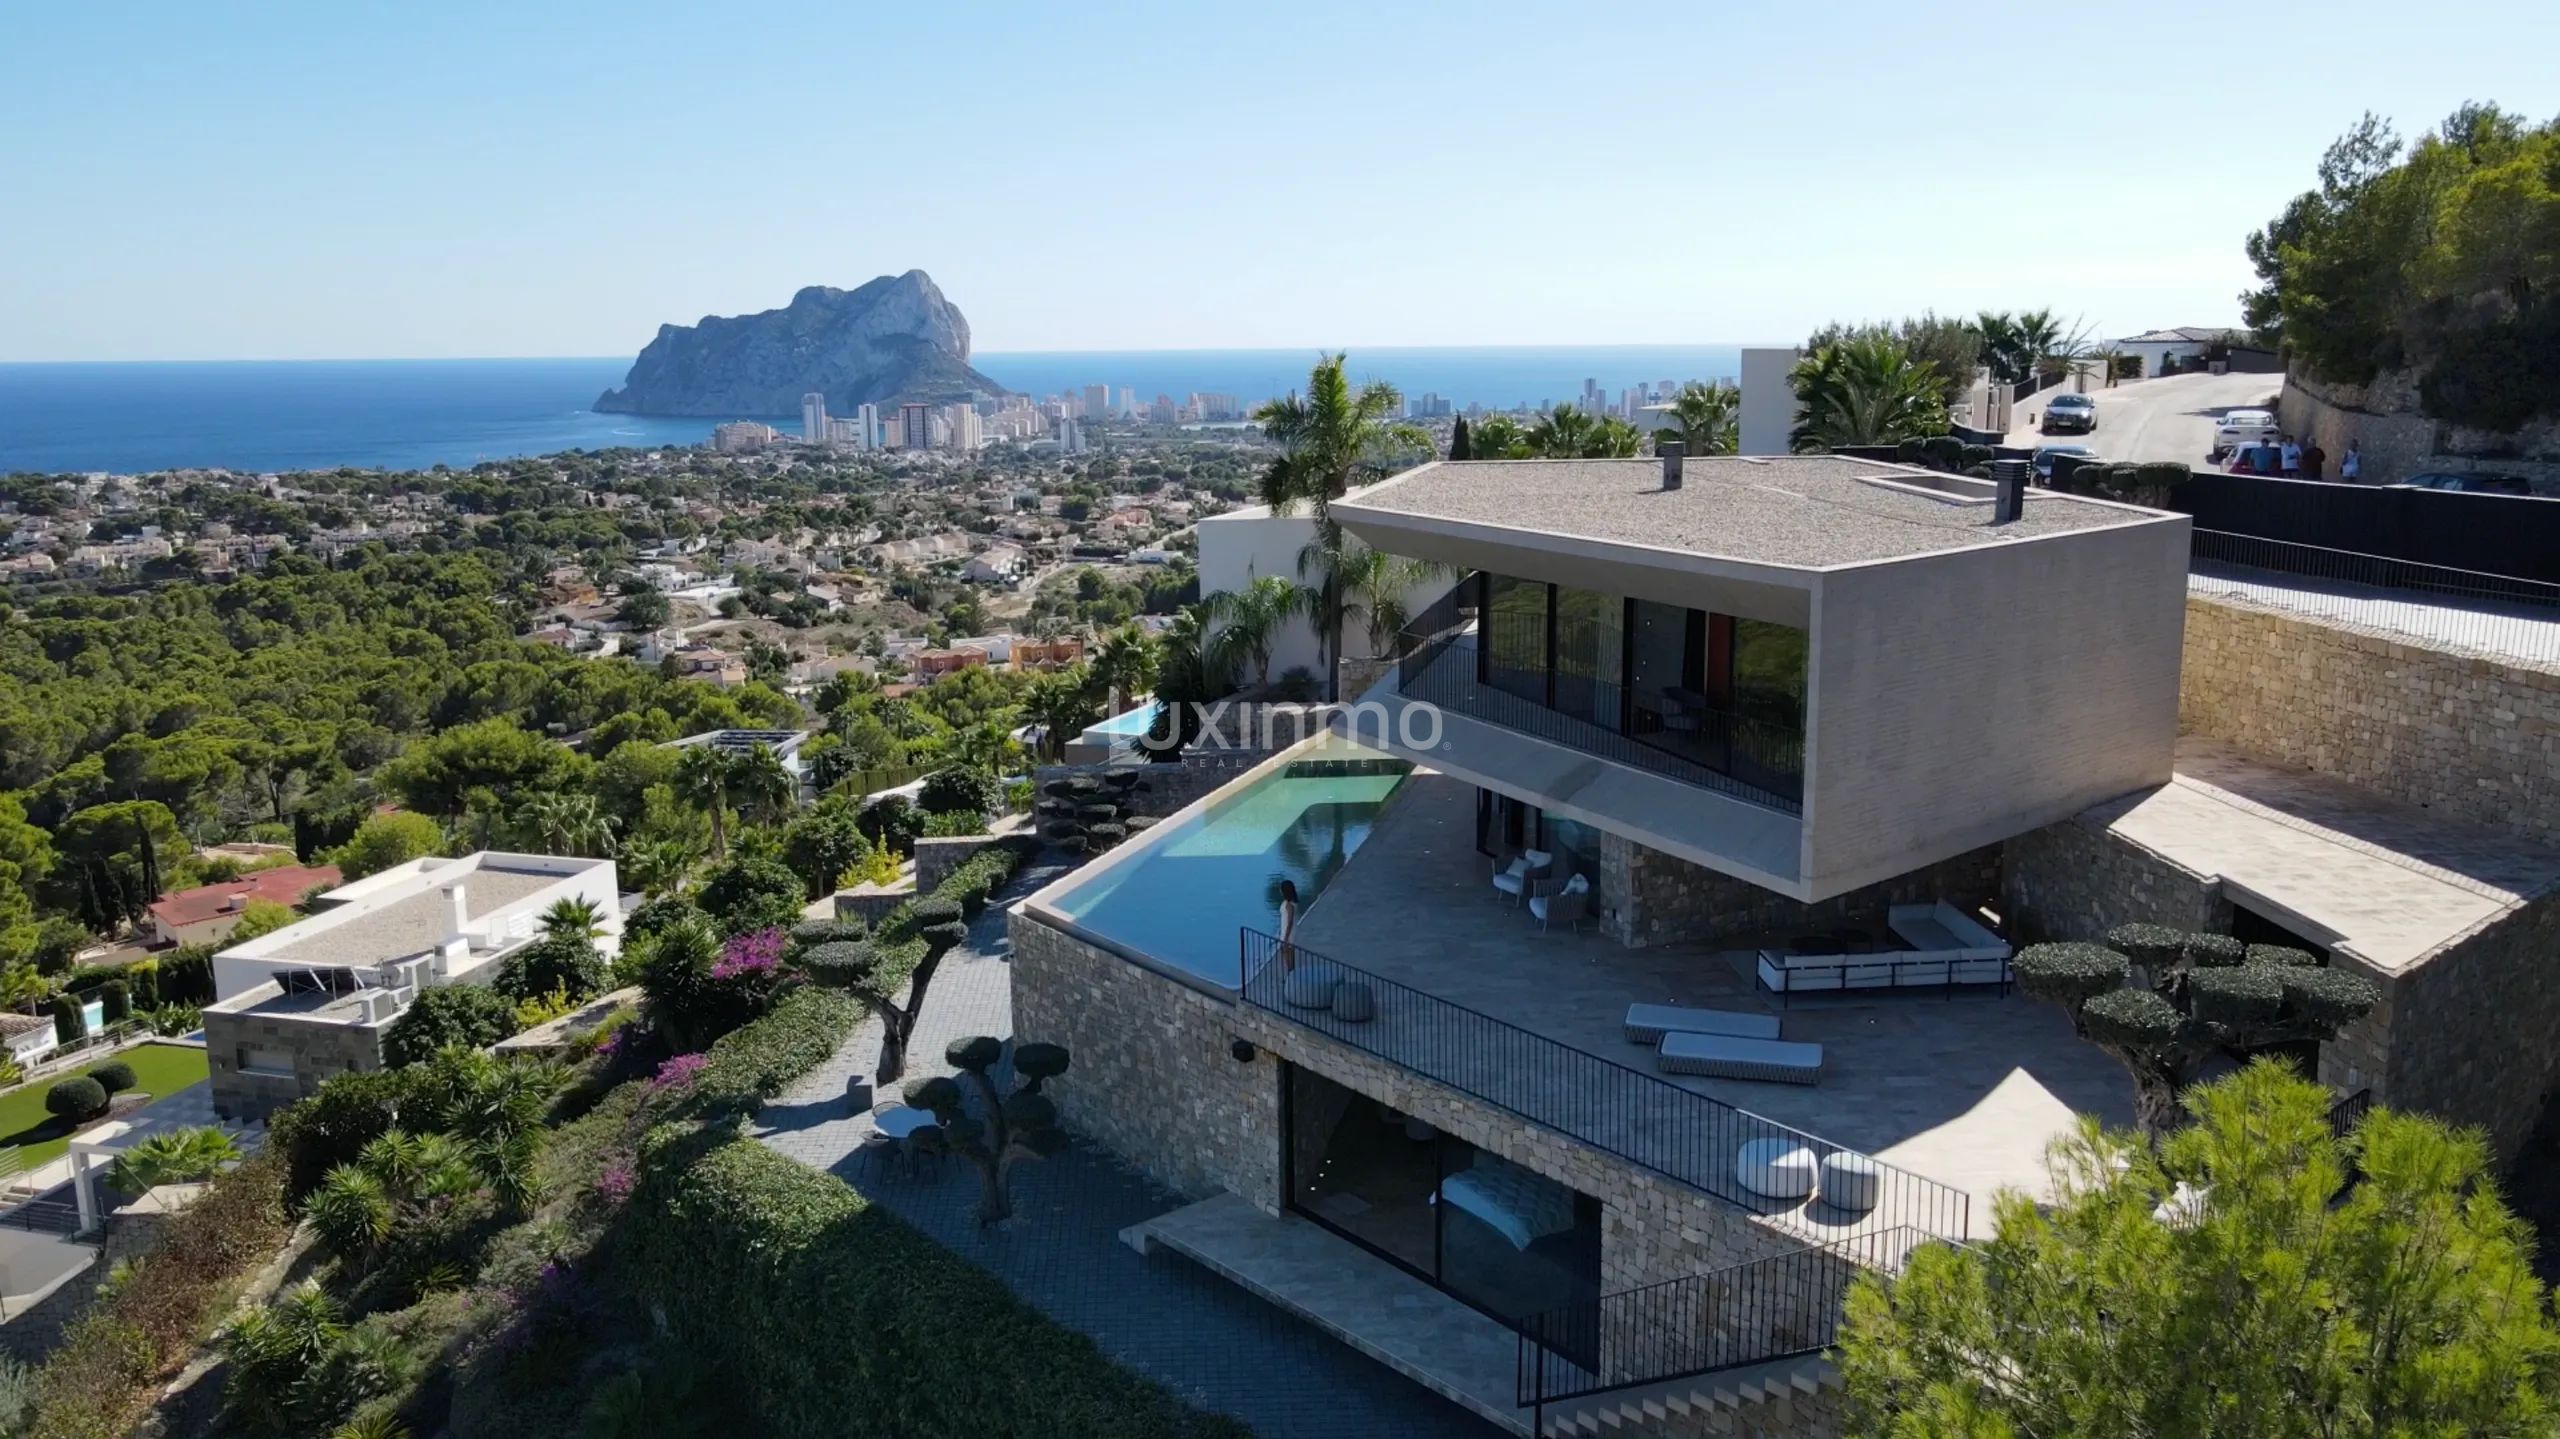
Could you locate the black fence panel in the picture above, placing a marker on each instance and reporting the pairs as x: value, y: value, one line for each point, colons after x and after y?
x: 2510, y: 535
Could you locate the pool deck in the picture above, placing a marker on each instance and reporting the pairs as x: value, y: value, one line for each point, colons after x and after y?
x: 1967, y: 1090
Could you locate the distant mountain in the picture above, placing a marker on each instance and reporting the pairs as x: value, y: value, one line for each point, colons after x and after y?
x: 891, y: 340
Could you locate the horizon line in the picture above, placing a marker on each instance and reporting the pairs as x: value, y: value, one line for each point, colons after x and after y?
x: 974, y: 357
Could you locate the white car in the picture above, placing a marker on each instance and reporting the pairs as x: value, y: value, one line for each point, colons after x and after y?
x: 2243, y: 427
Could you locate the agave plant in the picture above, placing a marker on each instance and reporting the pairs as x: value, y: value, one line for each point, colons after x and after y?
x: 181, y: 1157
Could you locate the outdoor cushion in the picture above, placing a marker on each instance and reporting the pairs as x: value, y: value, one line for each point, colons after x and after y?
x: 1647, y: 1023
x: 1309, y: 986
x: 1355, y: 1003
x: 1720, y: 1054
x: 1775, y: 1168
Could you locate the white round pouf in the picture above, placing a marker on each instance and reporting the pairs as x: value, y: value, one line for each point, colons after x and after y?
x: 1775, y: 1168
x: 1309, y: 986
x: 1851, y: 1181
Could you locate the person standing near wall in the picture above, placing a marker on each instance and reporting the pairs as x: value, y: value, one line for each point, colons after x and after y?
x: 2351, y: 464
x: 2291, y: 458
x: 2314, y: 460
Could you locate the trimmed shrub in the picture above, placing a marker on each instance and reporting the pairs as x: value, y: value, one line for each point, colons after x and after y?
x: 2215, y: 951
x: 1945, y: 452
x: 936, y: 910
x: 471, y: 1015
x: 186, y: 976
x: 2068, y: 974
x: 2326, y: 996
x: 751, y: 894
x: 2131, y: 1019
x: 891, y: 821
x: 115, y: 1076
x: 1910, y: 452
x: 755, y: 1062
x: 2283, y: 956
x: 1973, y: 455
x: 115, y: 1001
x: 956, y: 824
x: 959, y: 789
x: 759, y: 1261
x: 565, y: 963
x: 70, y: 1021
x: 77, y: 1098
x: 655, y: 916
x: 808, y: 934
x: 2154, y: 945
x: 2239, y: 994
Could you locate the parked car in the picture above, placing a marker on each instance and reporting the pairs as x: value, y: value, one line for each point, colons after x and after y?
x: 2070, y: 412
x: 2469, y: 484
x: 2243, y: 427
x: 2043, y: 461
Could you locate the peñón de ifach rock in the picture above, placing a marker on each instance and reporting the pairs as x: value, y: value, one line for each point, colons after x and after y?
x: 892, y: 340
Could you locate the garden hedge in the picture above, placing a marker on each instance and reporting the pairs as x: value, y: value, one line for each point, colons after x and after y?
x: 753, y: 1063
x: 832, y: 1318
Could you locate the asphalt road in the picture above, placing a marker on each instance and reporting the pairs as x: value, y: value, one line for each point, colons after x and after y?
x: 2164, y: 419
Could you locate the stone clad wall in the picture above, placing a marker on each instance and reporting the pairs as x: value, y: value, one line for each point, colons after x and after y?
x: 1155, y: 1082
x: 1646, y: 897
x: 319, y: 1050
x: 2399, y: 441
x: 2466, y: 1036
x: 2073, y: 880
x: 2477, y: 738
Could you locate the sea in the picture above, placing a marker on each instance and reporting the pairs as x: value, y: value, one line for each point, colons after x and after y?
x: 276, y: 415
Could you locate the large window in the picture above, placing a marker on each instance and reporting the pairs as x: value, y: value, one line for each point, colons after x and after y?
x: 1590, y: 654
x: 1515, y: 637
x: 1505, y: 1239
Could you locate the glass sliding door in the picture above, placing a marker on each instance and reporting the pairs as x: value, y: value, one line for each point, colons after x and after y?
x: 1515, y: 636
x: 1668, y: 703
x: 1767, y: 746
x: 1590, y: 655
x: 1503, y: 1238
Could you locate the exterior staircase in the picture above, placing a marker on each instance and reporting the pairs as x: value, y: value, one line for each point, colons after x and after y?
x: 1754, y: 1399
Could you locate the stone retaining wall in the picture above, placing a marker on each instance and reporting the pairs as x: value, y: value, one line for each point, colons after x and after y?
x: 1646, y: 897
x: 2398, y: 441
x: 2074, y: 880
x: 1156, y: 1082
x: 2473, y: 737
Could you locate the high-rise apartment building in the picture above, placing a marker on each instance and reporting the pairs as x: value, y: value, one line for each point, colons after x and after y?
x: 1097, y: 401
x: 1068, y: 434
x: 813, y: 417
x: 965, y: 431
x: 915, y: 423
x: 1128, y: 402
x: 866, y: 418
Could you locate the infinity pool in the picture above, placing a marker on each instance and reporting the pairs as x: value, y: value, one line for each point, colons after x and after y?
x: 1198, y: 880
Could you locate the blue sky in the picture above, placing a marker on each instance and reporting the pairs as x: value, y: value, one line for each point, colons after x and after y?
x: 190, y: 180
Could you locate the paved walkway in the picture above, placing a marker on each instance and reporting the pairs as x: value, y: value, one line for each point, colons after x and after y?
x: 1200, y: 1336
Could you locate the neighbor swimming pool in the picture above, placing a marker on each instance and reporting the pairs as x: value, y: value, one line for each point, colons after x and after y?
x: 1195, y: 882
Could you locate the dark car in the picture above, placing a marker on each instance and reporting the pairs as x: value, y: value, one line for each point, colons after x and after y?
x: 2469, y: 484
x: 2043, y: 461
x: 2070, y: 412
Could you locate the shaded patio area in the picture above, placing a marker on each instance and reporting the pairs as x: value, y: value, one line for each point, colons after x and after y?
x: 1966, y: 1091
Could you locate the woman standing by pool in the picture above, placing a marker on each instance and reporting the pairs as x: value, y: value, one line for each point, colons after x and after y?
x: 1288, y: 924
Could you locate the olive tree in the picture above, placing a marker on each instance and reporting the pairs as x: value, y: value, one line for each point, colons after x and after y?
x: 877, y: 970
x: 2164, y: 1001
x: 1015, y: 1127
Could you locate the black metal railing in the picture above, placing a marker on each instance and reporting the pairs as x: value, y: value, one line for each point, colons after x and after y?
x: 1639, y: 1117
x: 1759, y: 763
x: 2348, y: 1111
x: 1749, y: 1313
x: 2495, y: 614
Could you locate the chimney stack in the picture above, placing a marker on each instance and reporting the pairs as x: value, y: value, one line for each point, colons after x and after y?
x: 1672, y: 452
x: 455, y: 913
x: 2011, y: 477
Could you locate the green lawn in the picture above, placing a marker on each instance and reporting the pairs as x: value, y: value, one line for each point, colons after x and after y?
x: 159, y: 1070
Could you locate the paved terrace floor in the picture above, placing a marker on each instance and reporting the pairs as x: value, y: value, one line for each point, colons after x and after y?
x: 1967, y: 1091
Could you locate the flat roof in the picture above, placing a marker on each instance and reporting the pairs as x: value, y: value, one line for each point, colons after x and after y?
x: 411, y: 924
x: 1797, y: 511
x: 2390, y: 881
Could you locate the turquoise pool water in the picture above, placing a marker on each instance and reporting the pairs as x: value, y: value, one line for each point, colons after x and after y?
x: 1128, y: 724
x: 1199, y: 880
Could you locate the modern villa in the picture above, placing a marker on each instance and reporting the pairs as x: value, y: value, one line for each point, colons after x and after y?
x: 299, y: 1004
x: 1651, y: 955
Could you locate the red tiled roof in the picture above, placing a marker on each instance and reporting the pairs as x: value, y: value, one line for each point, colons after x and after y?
x: 283, y: 885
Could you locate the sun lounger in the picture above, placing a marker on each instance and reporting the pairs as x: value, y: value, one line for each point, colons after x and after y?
x: 1727, y: 1057
x: 1648, y: 1023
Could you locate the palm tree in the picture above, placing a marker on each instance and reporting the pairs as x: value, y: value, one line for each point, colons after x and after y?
x: 1706, y: 419
x: 574, y: 918
x: 657, y: 866
x: 1061, y: 703
x: 1498, y: 437
x: 1249, y: 621
x: 1865, y: 390
x: 558, y: 823
x: 1125, y: 665
x: 761, y: 788
x: 1332, y: 437
x: 703, y: 777
x: 1374, y: 586
x: 1570, y: 434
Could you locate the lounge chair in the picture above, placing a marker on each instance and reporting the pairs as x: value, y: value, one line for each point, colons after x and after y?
x: 1648, y: 1023
x: 1522, y: 874
x: 1728, y: 1057
x: 1568, y: 904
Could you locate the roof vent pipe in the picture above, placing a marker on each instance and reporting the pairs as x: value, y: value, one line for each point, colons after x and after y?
x: 1672, y: 452
x: 2011, y: 502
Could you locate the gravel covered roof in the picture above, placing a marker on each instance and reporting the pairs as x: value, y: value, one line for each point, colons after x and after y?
x: 1794, y: 510
x: 409, y: 925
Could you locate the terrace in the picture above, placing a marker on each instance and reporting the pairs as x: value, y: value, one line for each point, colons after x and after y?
x: 1964, y: 1092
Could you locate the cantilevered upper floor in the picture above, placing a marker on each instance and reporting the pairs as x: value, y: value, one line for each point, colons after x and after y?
x: 1809, y: 672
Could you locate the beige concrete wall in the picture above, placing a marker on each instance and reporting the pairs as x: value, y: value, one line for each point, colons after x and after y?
x: 1968, y: 696
x: 2471, y: 737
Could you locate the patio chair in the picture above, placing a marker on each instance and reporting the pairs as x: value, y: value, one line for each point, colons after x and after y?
x: 1522, y: 875
x: 1568, y: 904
